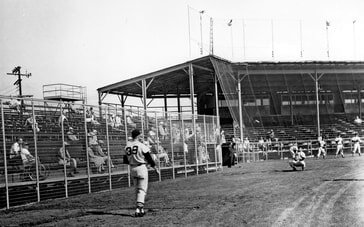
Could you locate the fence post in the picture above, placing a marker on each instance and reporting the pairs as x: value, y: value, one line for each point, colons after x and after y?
x: 108, y: 144
x: 86, y: 143
x: 126, y: 141
x: 172, y: 150
x: 183, y: 146
x: 215, y: 142
x: 5, y: 160
x: 195, y: 140
x: 157, y: 135
x: 205, y: 140
x: 64, y: 151
x: 34, y: 126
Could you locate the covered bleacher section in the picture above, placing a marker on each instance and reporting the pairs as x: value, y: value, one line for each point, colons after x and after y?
x: 298, y: 100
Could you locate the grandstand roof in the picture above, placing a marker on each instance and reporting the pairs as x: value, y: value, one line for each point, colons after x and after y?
x: 257, y: 76
x: 171, y: 80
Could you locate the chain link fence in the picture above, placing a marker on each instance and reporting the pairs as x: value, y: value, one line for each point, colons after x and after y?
x: 53, y: 149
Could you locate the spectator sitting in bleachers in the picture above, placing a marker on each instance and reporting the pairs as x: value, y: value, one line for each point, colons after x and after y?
x: 14, y: 154
x: 26, y: 157
x: 157, y: 149
x: 14, y: 104
x: 71, y: 135
x: 95, y: 145
x: 103, y: 153
x: 358, y: 120
x: 203, y: 155
x: 16, y: 148
x: 130, y: 122
x: 160, y: 153
x: 72, y: 109
x: 90, y: 117
x: 62, y: 119
x: 162, y: 131
x: 117, y: 121
x: 271, y: 135
x: 99, y: 161
x: 187, y: 137
x: 29, y: 123
x: 152, y: 136
x: 64, y: 158
x: 176, y: 134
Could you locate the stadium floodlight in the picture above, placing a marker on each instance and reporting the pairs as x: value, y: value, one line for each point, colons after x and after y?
x: 201, y: 44
x: 230, y: 24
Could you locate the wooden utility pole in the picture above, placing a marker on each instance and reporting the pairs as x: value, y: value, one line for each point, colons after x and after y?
x: 16, y: 72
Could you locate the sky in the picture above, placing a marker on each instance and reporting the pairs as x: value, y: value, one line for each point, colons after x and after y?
x: 94, y: 43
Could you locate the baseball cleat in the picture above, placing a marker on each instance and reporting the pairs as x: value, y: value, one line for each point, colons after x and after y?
x: 139, y: 212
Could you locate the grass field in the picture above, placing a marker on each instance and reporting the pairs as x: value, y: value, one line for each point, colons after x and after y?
x: 329, y: 193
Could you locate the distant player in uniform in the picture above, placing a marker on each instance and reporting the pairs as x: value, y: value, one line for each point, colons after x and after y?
x: 293, y: 150
x: 339, y: 145
x: 138, y: 156
x: 321, y: 148
x: 298, y: 160
x: 356, y: 140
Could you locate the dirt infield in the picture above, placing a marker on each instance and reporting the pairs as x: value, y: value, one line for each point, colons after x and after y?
x: 329, y: 193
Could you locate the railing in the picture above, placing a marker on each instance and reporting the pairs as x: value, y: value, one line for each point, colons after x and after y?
x: 281, y: 150
x: 46, y: 126
x: 64, y: 92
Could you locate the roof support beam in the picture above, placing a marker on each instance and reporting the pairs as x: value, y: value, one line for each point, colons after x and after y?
x: 192, y: 95
x: 203, y: 68
x: 144, y: 93
x: 217, y: 101
x: 300, y: 71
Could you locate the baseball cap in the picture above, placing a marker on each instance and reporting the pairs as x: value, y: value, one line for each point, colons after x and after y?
x: 135, y: 133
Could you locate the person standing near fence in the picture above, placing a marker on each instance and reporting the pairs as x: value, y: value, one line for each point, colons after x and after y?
x: 138, y: 156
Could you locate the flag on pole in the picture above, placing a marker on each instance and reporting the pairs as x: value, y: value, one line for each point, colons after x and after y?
x: 230, y: 22
x: 354, y: 21
x: 327, y: 24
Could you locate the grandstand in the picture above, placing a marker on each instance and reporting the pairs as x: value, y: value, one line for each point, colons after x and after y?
x: 298, y: 100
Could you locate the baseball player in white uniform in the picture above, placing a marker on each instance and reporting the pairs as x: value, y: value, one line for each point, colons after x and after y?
x: 321, y: 148
x: 356, y: 140
x: 293, y: 149
x: 298, y: 159
x: 339, y: 146
x: 138, y: 156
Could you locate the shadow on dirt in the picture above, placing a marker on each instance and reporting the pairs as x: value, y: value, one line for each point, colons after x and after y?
x: 287, y: 171
x: 105, y: 212
x: 351, y: 179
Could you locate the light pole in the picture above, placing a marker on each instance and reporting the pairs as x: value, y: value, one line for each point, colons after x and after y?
x: 201, y: 46
x: 230, y: 24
